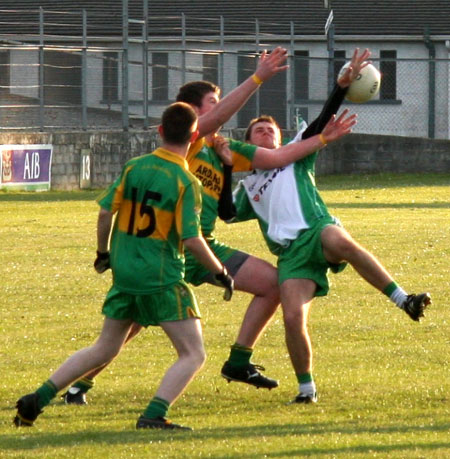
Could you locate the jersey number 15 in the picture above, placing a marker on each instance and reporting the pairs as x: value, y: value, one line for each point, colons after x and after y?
x: 145, y: 209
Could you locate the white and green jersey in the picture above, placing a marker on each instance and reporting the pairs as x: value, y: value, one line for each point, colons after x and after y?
x: 284, y: 200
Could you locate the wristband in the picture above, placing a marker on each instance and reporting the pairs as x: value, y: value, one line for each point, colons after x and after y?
x: 322, y: 139
x: 256, y: 79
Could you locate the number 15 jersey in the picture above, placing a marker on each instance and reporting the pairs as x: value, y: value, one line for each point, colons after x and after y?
x: 158, y: 204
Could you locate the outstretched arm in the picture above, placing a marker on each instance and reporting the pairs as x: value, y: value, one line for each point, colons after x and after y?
x: 337, y: 95
x: 268, y: 66
x: 279, y: 157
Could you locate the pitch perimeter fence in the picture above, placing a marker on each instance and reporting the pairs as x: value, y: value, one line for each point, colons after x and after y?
x: 50, y: 80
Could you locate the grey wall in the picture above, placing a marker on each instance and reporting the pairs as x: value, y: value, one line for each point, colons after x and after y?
x: 362, y: 153
x: 108, y: 151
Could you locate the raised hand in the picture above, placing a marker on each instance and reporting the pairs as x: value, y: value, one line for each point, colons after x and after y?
x: 358, y: 62
x: 271, y: 64
x: 340, y: 126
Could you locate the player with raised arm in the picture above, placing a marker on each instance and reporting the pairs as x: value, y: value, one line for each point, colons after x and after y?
x: 157, y: 203
x: 213, y: 112
x: 308, y: 241
x: 251, y: 274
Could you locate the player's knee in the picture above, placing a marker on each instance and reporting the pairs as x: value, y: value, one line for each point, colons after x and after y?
x: 102, y: 356
x: 259, y: 278
x: 198, y: 359
x: 294, y: 319
x: 270, y: 287
x: 273, y: 296
x: 110, y: 354
x: 345, y: 248
x: 202, y: 359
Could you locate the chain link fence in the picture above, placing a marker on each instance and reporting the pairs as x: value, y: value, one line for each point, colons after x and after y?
x: 53, y: 81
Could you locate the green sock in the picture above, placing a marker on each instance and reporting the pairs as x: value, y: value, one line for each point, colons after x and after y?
x: 157, y: 408
x: 390, y: 289
x: 84, y: 384
x: 46, y: 393
x: 304, y: 378
x: 240, y: 355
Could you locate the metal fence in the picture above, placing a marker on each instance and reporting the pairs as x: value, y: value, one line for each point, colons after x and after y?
x: 50, y: 81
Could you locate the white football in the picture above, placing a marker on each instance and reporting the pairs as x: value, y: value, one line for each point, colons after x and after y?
x: 365, y: 86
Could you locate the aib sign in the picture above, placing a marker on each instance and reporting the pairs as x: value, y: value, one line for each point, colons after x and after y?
x: 26, y: 167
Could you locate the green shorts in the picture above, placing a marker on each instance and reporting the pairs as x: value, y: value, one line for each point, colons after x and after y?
x: 197, y: 274
x: 177, y: 302
x: 304, y: 258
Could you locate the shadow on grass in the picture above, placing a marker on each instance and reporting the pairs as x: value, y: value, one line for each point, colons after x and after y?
x: 325, y: 183
x: 49, y: 196
x: 26, y: 439
x: 366, y: 181
x: 90, y: 195
x: 389, y: 205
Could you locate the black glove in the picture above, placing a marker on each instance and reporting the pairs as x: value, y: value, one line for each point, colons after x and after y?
x: 101, y: 263
x: 227, y: 282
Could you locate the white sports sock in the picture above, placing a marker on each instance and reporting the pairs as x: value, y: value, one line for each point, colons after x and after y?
x: 308, y: 388
x: 398, y: 296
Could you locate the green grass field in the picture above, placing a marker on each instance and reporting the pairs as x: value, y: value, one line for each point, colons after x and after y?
x: 383, y: 380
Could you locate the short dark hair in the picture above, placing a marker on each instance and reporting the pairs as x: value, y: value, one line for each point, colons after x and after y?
x: 260, y: 119
x: 177, y: 121
x: 194, y: 91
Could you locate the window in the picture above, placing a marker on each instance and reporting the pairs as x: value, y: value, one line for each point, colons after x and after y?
x: 246, y: 66
x: 388, y: 69
x: 210, y: 68
x: 4, y: 71
x: 110, y: 77
x: 301, y: 75
x: 339, y: 61
x: 272, y: 94
x: 62, y: 77
x: 160, y: 76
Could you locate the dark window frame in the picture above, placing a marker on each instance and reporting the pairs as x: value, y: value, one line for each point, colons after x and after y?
x: 160, y: 76
x: 210, y: 63
x: 301, y: 76
x: 388, y: 69
x: 110, y: 77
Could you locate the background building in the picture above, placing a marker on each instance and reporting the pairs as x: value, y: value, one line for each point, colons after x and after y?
x: 119, y: 63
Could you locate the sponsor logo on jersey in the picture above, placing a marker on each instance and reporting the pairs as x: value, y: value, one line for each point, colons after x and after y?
x: 209, y: 178
x: 263, y: 187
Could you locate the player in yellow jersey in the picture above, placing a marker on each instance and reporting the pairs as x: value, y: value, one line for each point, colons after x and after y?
x: 251, y: 274
x: 158, y: 204
x: 213, y: 112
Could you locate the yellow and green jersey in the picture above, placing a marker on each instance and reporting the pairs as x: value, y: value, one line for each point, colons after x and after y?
x: 158, y: 204
x: 206, y: 165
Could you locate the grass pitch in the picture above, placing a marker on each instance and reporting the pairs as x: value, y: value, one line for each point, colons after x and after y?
x: 383, y: 380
